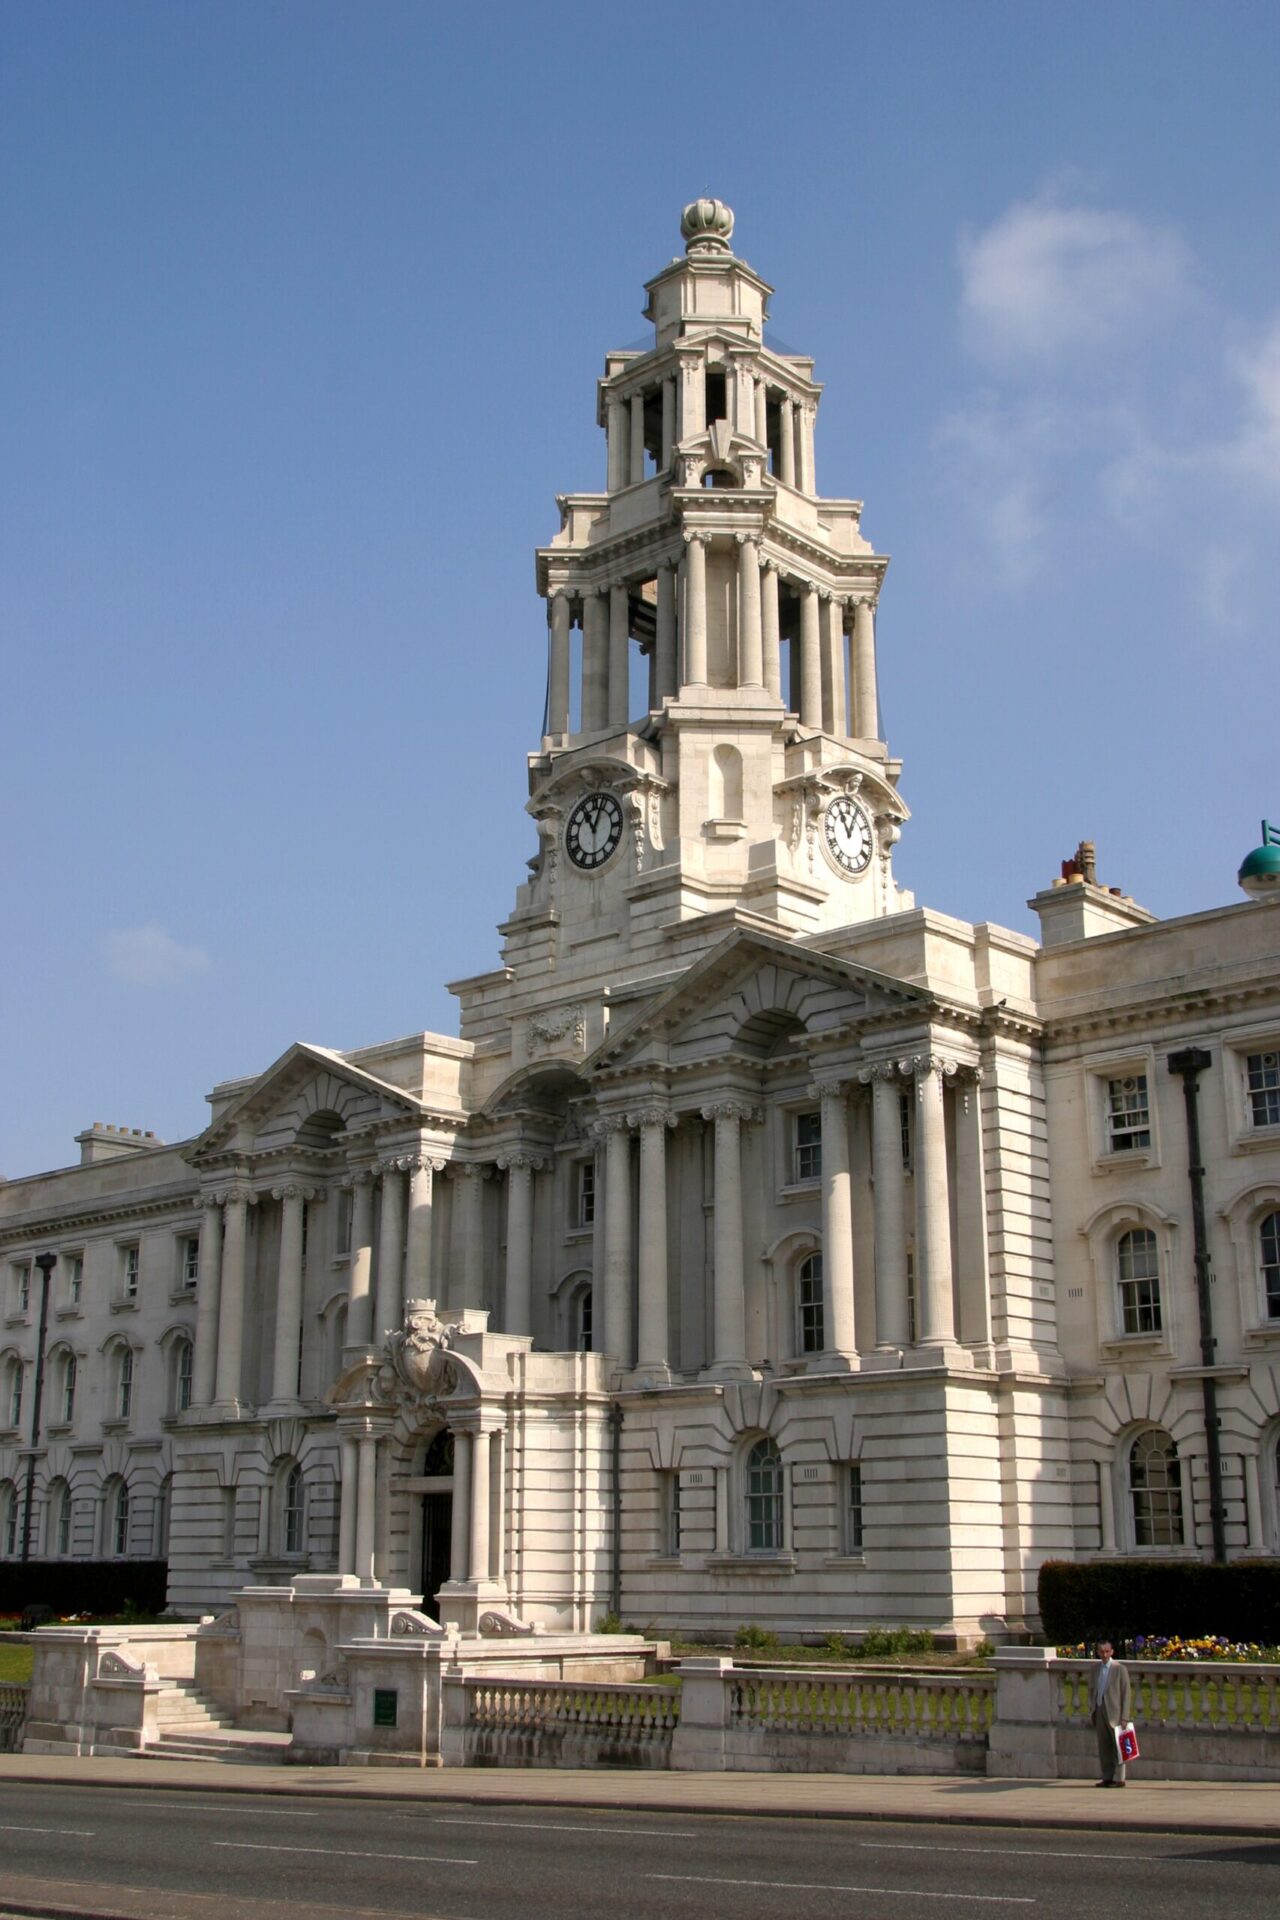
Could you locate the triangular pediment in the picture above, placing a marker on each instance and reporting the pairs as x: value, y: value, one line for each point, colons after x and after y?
x: 746, y: 996
x: 309, y: 1098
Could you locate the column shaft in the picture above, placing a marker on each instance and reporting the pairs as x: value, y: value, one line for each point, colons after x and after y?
x: 668, y: 422
x: 619, y: 656
x: 616, y: 1333
x: 935, y: 1306
x: 497, y: 1506
x: 762, y: 413
x: 636, y: 468
x: 837, y: 1223
x: 231, y: 1302
x: 595, y: 663
x: 810, y: 659
x: 787, y: 442
x: 892, y: 1329
x: 804, y: 447
x: 866, y: 706
x: 654, y: 1335
x: 284, y: 1366
x: 359, y: 1301
x: 771, y: 643
x: 471, y: 1233
x: 616, y: 436
x: 665, y: 637
x: 750, y: 634
x: 366, y: 1507
x: 693, y: 398
x: 833, y: 675
x: 729, y: 1318
x: 558, y: 665
x: 478, y: 1559
x: 695, y: 612
x: 418, y: 1232
x: 519, y: 1305
x: 347, y: 1500
x: 460, y: 1530
x: 390, y: 1300
x: 209, y: 1287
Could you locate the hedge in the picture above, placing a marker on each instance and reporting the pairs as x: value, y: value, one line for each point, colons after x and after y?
x: 83, y: 1586
x: 1117, y: 1599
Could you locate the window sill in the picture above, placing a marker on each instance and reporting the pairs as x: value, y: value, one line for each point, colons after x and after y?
x: 800, y: 1190
x: 1254, y: 1139
x: 658, y: 1560
x: 115, y: 1426
x: 837, y: 1560
x: 17, y: 1319
x: 182, y: 1296
x: 784, y: 1561
x: 1267, y: 1334
x: 124, y: 1306
x: 579, y: 1233
x: 59, y: 1429
x: 68, y: 1313
x: 1134, y: 1346
x: 1139, y: 1157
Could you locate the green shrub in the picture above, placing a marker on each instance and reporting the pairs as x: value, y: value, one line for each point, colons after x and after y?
x: 1089, y: 1600
x: 755, y: 1639
x: 608, y: 1623
x: 891, y: 1643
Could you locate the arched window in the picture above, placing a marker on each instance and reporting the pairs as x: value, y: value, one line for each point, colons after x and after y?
x: 184, y: 1362
x: 582, y: 1321
x: 437, y: 1460
x: 293, y: 1512
x: 8, y: 1518
x: 1138, y: 1277
x: 1269, y: 1244
x: 810, y: 1326
x: 718, y: 477
x: 164, y: 1510
x: 1155, y: 1490
x: 14, y: 1375
x: 58, y: 1508
x: 724, y: 784
x: 67, y: 1388
x: 116, y: 1513
x: 764, y: 1498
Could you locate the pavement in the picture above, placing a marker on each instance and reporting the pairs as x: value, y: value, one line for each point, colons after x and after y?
x: 1233, y: 1807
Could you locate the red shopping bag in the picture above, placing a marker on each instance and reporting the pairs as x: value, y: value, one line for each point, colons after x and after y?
x: 1127, y: 1743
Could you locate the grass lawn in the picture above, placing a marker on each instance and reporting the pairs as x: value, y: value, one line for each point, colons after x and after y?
x: 15, y: 1664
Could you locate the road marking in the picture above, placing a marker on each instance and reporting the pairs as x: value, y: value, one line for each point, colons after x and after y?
x: 828, y: 1886
x: 86, y: 1833
x: 549, y: 1826
x: 1028, y: 1853
x: 346, y: 1853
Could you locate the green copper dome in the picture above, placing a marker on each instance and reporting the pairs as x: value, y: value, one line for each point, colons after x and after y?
x: 1262, y: 864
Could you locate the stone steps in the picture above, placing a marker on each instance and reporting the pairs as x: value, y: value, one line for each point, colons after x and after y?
x: 237, y: 1744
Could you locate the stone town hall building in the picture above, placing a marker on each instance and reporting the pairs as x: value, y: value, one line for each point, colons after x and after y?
x: 798, y: 1254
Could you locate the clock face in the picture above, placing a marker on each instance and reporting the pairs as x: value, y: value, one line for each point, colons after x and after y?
x: 847, y: 832
x: 593, y: 831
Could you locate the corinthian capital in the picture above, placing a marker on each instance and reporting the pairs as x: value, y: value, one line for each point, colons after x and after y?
x: 522, y: 1159
x: 609, y: 1123
x: 828, y: 1089
x: 292, y: 1191
x: 740, y: 1110
x: 887, y: 1070
x: 651, y: 1116
x: 696, y: 536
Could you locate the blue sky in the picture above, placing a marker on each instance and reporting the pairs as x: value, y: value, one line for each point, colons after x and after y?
x: 302, y: 310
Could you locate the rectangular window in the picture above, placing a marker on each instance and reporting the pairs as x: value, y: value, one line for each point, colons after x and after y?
x: 17, y: 1374
x: 64, y: 1523
x: 124, y: 1395
x: 75, y: 1279
x: 808, y: 1154
x: 809, y: 1305
x: 386, y: 1702
x: 853, y: 1508
x: 342, y: 1224
x: 189, y: 1263
x: 911, y: 1299
x: 1128, y: 1114
x: 22, y: 1289
x: 904, y: 1123
x: 1263, y: 1077
x: 129, y: 1273
x: 69, y: 1370
x: 1139, y: 1274
x: 671, y: 1515
x: 585, y: 1194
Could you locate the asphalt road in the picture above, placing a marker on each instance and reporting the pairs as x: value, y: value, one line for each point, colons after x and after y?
x: 157, y: 1855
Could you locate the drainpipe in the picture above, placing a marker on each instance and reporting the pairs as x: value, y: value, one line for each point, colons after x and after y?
x: 1189, y: 1064
x: 615, y: 1581
x: 46, y: 1263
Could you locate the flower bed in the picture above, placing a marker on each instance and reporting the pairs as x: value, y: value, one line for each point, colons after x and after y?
x: 1159, y: 1646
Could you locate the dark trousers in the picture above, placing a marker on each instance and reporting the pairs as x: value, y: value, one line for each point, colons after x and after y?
x: 1108, y: 1752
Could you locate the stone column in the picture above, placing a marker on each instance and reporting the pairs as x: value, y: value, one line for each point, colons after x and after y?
x: 595, y: 661
x: 973, y: 1284
x: 616, y: 435
x: 360, y: 1273
x: 665, y: 681
x: 558, y: 665
x: 390, y: 1299
x: 810, y: 659
x: 231, y: 1298
x: 693, y: 397
x: 762, y: 413
x: 892, y: 1326
x: 615, y: 1334
x: 729, y: 1314
x: 668, y: 422
x: 653, y: 1360
x: 417, y: 1274
x: 833, y: 677
x: 284, y: 1365
x: 787, y: 441
x: 1106, y: 1507
x: 636, y: 469
x: 695, y: 608
x: 771, y: 643
x: 478, y: 1558
x: 935, y: 1308
x: 347, y: 1497
x: 805, y: 417
x: 520, y: 1166
x: 497, y: 1505
x: 619, y: 657
x: 866, y: 710
x: 367, y: 1508
x: 744, y: 398
x: 204, y: 1360
x: 750, y: 634
x: 839, y: 1336
x: 471, y: 1231
x: 460, y: 1531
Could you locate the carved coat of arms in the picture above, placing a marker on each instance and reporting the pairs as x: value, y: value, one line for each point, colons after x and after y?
x: 415, y: 1357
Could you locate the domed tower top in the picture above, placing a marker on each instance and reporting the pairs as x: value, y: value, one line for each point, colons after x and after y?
x: 707, y: 226
x: 709, y: 286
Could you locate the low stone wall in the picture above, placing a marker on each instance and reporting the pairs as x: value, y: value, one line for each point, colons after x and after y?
x: 13, y: 1715
x: 523, y: 1723
x: 95, y: 1689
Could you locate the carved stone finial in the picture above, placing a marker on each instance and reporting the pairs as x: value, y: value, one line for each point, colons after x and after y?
x: 705, y: 226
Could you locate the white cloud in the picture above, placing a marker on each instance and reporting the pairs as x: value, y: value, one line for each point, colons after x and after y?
x: 1047, y: 283
x: 148, y: 957
x: 1254, y: 453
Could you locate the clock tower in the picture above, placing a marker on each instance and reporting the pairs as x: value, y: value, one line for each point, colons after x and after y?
x: 712, y: 738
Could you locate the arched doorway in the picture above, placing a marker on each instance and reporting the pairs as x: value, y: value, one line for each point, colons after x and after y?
x: 437, y: 1516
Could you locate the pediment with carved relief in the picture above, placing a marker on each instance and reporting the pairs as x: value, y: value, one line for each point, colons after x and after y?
x: 310, y: 1101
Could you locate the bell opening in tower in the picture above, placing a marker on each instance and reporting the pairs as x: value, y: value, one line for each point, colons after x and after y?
x: 717, y: 395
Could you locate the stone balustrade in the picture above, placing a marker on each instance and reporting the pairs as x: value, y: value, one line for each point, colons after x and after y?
x: 13, y: 1715
x: 534, y: 1723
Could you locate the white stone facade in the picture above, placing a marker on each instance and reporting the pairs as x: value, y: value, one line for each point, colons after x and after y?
x: 766, y: 1248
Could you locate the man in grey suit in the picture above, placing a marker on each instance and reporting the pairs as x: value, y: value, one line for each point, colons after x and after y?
x: 1110, y: 1697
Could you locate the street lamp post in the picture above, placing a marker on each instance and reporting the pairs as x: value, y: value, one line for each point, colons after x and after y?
x: 46, y: 1263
